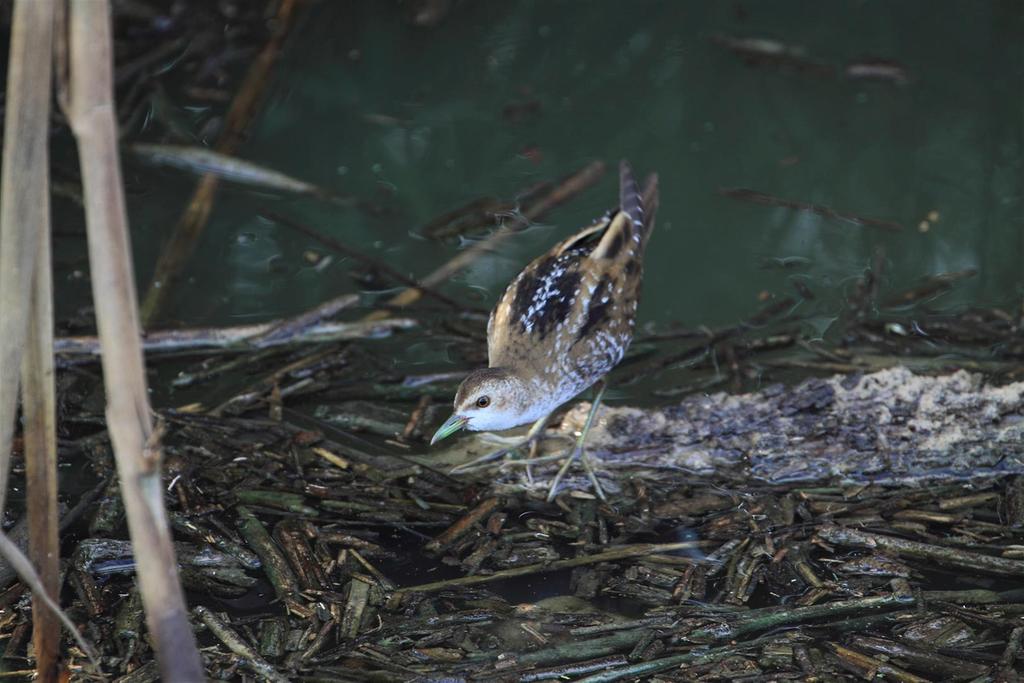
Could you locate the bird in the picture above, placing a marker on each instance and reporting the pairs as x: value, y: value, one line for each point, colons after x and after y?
x: 561, y: 325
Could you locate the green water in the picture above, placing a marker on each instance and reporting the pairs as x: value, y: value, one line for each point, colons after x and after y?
x: 645, y: 81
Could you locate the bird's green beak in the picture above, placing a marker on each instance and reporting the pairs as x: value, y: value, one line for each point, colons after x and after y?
x: 450, y: 426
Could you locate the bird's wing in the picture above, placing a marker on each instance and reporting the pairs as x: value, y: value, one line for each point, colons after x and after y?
x: 538, y: 302
x: 583, y: 289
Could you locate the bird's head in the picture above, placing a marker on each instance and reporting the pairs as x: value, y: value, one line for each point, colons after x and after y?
x: 490, y: 399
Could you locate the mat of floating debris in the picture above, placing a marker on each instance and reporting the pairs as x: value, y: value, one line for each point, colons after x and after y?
x: 890, y: 426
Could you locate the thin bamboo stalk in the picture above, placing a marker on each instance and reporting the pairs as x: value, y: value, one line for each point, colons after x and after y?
x: 27, y: 307
x: 129, y: 416
x: 39, y: 405
x: 24, y: 152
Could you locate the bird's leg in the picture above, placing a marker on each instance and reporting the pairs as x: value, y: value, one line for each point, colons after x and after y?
x: 531, y: 438
x: 579, y: 451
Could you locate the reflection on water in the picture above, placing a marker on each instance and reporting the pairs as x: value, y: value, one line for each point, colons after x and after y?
x: 903, y: 112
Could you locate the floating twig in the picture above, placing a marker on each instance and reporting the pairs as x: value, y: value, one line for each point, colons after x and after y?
x: 606, y: 556
x: 768, y: 51
x: 765, y: 199
x: 877, y: 70
x: 275, y: 566
x: 562, y: 191
x: 357, y: 255
x: 204, y: 161
x: 930, y: 287
x: 463, y: 526
x: 237, y: 644
x: 945, y: 556
x: 248, y: 337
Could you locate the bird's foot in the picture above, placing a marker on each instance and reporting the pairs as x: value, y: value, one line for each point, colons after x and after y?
x: 577, y: 452
x: 485, y: 460
x: 510, y: 442
x: 531, y: 439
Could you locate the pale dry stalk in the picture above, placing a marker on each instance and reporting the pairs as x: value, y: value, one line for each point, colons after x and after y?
x: 39, y: 406
x: 26, y: 306
x: 129, y: 419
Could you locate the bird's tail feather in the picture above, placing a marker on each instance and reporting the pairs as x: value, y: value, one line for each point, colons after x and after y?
x: 640, y: 208
x: 650, y: 203
x: 630, y: 202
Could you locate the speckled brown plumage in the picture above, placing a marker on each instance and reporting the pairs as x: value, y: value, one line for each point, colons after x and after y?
x: 563, y: 322
x: 569, y: 317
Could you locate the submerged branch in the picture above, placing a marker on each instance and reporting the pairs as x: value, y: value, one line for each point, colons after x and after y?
x: 192, y: 223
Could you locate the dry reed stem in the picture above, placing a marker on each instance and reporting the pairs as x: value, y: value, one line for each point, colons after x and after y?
x: 39, y: 405
x: 26, y: 306
x: 129, y: 417
x: 21, y: 214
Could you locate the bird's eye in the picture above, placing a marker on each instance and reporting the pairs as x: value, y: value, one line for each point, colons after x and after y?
x: 483, y: 402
